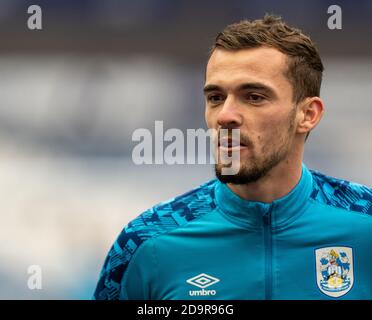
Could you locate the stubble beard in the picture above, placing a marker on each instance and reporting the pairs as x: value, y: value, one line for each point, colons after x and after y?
x: 252, y: 170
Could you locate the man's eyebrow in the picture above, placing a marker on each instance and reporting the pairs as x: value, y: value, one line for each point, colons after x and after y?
x: 257, y: 86
x: 245, y: 86
x: 211, y: 87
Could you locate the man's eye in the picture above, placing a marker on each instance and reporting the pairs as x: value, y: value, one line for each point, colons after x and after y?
x: 214, y: 98
x: 255, y: 98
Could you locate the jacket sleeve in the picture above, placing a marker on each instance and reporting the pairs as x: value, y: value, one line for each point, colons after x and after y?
x: 121, y: 277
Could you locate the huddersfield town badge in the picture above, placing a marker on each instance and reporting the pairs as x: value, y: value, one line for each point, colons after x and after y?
x: 334, y: 270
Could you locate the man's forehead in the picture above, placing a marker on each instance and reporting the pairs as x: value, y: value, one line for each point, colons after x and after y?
x: 263, y: 62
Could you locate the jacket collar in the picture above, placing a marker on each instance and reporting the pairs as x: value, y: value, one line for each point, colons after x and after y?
x: 250, y: 213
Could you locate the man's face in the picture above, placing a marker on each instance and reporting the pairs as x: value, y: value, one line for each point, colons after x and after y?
x: 248, y: 90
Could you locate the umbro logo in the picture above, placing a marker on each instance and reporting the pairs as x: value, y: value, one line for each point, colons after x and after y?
x: 202, y: 281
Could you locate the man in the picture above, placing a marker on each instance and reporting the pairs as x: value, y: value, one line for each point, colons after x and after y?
x: 274, y: 230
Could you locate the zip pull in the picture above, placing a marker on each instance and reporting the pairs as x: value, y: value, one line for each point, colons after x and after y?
x: 267, y: 216
x: 268, y: 254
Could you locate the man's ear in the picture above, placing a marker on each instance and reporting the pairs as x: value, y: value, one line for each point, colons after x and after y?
x: 310, y: 112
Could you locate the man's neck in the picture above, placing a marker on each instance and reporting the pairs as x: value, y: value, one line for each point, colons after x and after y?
x: 277, y: 183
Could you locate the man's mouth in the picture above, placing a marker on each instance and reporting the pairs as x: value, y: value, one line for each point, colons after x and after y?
x: 230, y: 143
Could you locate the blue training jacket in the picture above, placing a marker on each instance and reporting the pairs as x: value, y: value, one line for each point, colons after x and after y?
x: 314, y: 243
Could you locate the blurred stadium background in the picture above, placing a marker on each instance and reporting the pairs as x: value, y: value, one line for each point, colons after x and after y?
x: 72, y: 94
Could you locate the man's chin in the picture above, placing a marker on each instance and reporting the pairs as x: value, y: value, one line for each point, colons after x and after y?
x: 242, y: 177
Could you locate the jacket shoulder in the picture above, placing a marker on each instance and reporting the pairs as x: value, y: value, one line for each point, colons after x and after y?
x: 160, y: 219
x: 342, y: 194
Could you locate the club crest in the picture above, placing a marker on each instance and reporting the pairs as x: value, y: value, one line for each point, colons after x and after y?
x: 334, y: 270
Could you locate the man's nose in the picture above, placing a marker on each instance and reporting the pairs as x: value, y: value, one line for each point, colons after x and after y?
x: 229, y: 115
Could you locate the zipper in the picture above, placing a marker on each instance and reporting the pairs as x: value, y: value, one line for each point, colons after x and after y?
x: 268, y: 254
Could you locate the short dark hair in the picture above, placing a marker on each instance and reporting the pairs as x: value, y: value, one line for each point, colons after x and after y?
x: 305, y: 67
